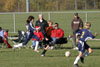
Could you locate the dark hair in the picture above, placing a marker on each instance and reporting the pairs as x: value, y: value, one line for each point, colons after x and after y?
x: 76, y: 14
x: 0, y: 28
x: 29, y: 19
x: 57, y: 24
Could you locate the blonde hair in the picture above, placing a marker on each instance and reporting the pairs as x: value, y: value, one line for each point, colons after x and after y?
x: 50, y: 22
x: 88, y: 24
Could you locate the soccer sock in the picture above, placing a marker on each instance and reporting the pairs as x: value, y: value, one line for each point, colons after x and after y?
x: 85, y: 54
x: 76, y: 60
x: 9, y: 46
x: 36, y: 47
x: 44, y: 51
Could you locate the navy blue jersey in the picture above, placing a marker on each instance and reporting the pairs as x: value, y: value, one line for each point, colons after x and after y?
x: 30, y: 27
x: 85, y: 34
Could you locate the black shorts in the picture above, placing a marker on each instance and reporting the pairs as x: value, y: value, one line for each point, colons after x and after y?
x: 47, y: 42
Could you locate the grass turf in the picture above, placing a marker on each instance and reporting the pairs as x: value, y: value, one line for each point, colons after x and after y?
x: 54, y: 58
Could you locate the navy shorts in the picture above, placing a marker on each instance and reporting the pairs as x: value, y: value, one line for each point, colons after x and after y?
x: 82, y: 46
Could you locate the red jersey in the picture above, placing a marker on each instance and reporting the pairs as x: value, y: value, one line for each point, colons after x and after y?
x: 59, y: 33
x: 39, y: 35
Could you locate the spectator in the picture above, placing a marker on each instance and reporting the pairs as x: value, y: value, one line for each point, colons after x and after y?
x: 2, y: 37
x: 39, y: 34
x: 57, y: 33
x: 76, y: 25
x: 41, y: 22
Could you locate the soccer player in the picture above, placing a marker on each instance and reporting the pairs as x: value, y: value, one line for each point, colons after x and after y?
x: 30, y: 34
x: 82, y: 45
x: 47, y: 38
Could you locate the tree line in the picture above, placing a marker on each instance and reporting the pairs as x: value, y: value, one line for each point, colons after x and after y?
x: 47, y: 5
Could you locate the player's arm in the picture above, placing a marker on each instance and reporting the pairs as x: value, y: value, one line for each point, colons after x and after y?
x: 92, y: 36
x: 77, y: 35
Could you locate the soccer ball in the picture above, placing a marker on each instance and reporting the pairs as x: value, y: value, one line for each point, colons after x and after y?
x: 67, y: 53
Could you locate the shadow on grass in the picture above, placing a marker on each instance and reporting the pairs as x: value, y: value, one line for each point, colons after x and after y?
x: 63, y: 47
x: 95, y: 47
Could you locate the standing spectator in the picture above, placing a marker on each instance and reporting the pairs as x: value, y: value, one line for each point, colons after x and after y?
x: 41, y: 22
x: 30, y: 34
x: 57, y: 33
x: 2, y: 37
x: 76, y: 25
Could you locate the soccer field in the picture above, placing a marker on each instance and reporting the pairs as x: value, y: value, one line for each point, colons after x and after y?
x: 54, y: 58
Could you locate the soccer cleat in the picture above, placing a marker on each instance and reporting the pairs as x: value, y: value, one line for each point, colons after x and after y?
x: 75, y: 48
x: 76, y: 65
x: 82, y: 59
x: 14, y: 48
x: 42, y: 55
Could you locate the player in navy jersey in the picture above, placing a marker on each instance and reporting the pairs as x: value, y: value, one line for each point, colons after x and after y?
x: 82, y: 45
x: 30, y: 34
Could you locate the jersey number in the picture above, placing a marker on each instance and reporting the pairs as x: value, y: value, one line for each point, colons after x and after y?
x: 82, y: 34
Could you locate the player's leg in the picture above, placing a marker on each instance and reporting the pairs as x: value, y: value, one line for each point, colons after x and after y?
x: 21, y: 44
x: 47, y: 43
x: 77, y: 59
x: 9, y: 46
x: 45, y: 50
x: 81, y: 51
x: 27, y: 39
x: 25, y: 42
x: 89, y: 50
x: 36, y: 46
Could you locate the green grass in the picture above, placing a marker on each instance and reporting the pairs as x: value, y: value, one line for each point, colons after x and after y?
x: 64, y: 20
x: 54, y: 58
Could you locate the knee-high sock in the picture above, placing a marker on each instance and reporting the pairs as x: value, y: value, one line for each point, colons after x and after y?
x: 9, y: 46
x: 76, y: 60
x: 44, y: 51
x: 36, y: 47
